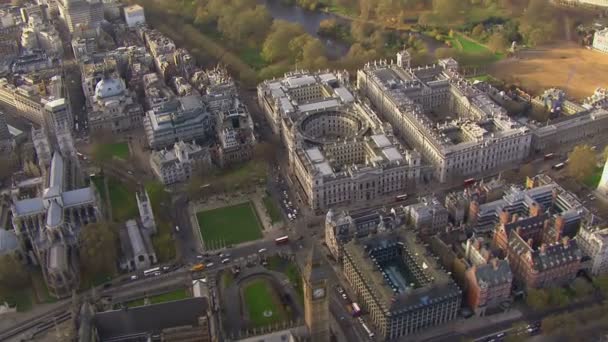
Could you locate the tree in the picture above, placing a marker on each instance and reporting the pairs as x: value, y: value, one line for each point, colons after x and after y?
x: 498, y: 42
x: 450, y: 10
x: 581, y: 287
x: 281, y: 34
x: 98, y: 249
x: 164, y: 246
x: 582, y: 162
x: 478, y: 30
x: 601, y: 283
x: 13, y: 275
x: 558, y: 296
x: 537, y: 299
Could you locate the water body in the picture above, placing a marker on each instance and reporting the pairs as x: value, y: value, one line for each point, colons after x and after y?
x: 310, y: 21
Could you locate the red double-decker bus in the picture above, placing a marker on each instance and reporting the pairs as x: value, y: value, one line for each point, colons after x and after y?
x: 282, y: 240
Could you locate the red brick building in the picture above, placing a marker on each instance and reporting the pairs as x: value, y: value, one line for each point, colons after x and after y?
x: 488, y: 285
x: 548, y: 265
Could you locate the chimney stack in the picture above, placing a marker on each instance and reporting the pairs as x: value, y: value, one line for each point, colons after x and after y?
x: 504, y: 217
x: 560, y: 223
x: 566, y: 241
x: 514, y: 218
x: 535, y: 209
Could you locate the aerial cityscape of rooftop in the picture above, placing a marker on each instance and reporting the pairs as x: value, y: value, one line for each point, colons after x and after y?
x: 303, y: 170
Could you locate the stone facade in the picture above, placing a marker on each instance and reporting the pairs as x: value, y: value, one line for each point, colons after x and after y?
x: 458, y: 128
x: 339, y: 151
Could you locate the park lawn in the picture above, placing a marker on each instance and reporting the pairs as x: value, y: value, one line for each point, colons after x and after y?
x: 161, y: 298
x: 124, y: 204
x: 272, y: 210
x: 478, y: 14
x: 229, y: 225
x: 245, y: 173
x: 253, y: 58
x: 278, y: 264
x: 594, y: 179
x: 105, y: 152
x: 263, y: 307
x: 470, y: 46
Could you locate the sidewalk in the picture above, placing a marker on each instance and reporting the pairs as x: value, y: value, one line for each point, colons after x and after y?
x: 462, y: 326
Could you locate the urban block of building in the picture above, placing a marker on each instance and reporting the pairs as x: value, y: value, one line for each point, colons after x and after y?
x: 339, y: 151
x: 341, y: 227
x: 114, y: 107
x: 458, y: 128
x: 179, y: 163
x: 593, y: 242
x: 81, y: 14
x: 186, y: 118
x: 543, y: 265
x: 550, y: 196
x: 49, y: 225
x: 428, y: 216
x: 134, y: 15
x: 234, y: 129
x: 402, y: 288
x: 488, y: 285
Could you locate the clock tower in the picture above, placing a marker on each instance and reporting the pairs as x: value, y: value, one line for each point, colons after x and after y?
x: 316, y: 297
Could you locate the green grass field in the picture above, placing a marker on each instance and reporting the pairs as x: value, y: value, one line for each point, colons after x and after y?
x: 263, y: 307
x: 278, y: 264
x: 105, y: 152
x: 229, y: 225
x: 467, y: 45
x: 124, y: 204
x: 272, y: 210
x: 161, y: 298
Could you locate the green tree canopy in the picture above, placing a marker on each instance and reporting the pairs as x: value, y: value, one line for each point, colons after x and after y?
x: 281, y: 33
x: 582, y: 162
x: 99, y: 249
x: 13, y: 275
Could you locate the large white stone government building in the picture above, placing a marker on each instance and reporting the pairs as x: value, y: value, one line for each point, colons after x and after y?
x: 339, y: 151
x: 458, y: 128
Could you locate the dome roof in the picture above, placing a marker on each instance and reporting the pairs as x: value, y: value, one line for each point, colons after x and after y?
x: 8, y: 241
x: 109, y: 87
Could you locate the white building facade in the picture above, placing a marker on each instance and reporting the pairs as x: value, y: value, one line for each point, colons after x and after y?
x: 178, y: 164
x: 339, y: 151
x: 458, y: 128
x: 593, y: 241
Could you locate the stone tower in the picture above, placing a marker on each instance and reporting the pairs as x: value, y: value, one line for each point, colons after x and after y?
x: 602, y: 187
x: 316, y: 297
x: 403, y: 59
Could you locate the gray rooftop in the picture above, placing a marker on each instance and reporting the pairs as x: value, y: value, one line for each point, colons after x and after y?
x: 56, y: 173
x: 137, y: 243
x: 29, y: 206
x: 54, y: 215
x: 142, y: 320
x: 78, y: 197
x: 8, y: 241
x: 494, y: 274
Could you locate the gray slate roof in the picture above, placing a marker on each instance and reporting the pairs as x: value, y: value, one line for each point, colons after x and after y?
x: 149, y: 318
x: 8, y: 241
